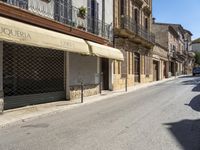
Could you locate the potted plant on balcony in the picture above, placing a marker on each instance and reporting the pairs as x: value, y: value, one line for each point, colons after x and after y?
x: 82, y: 12
x: 81, y: 20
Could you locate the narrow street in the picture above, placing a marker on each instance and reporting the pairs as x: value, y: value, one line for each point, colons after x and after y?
x: 161, y: 117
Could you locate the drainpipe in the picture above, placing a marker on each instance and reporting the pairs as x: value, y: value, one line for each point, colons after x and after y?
x: 103, y: 18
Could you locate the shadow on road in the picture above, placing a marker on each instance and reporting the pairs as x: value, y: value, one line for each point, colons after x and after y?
x: 194, y: 81
x: 183, y: 77
x: 187, y: 133
x: 195, y: 104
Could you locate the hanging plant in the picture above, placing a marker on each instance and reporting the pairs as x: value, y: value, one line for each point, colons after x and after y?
x: 82, y: 12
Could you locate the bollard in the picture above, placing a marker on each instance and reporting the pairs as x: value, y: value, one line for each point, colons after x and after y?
x: 1, y: 102
x: 82, y: 92
x: 126, y: 83
x: 100, y: 82
x: 1, y: 105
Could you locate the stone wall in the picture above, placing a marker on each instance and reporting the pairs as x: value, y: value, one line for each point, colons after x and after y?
x: 161, y: 32
x: 146, y: 79
x: 119, y: 82
x: 89, y: 90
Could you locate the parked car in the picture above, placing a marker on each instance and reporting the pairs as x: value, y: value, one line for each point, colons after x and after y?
x: 195, y: 71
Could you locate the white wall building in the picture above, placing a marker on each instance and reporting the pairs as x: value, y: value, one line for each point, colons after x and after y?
x: 196, y: 45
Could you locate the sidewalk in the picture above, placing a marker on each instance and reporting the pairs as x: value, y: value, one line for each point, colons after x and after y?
x: 36, y: 111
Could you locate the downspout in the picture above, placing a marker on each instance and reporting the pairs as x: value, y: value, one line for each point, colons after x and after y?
x: 103, y: 18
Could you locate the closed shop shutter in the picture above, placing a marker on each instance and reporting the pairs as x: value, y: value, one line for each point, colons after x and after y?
x: 32, y: 75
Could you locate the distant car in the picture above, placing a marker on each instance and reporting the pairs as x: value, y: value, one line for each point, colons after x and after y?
x: 196, y: 71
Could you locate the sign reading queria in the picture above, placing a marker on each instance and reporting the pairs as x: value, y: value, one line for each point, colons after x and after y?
x: 21, y: 33
x: 6, y: 31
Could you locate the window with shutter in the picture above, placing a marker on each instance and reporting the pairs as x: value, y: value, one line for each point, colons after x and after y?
x: 63, y: 11
x: 122, y: 7
x: 137, y: 16
x: 146, y: 23
x: 20, y: 3
x: 93, y: 16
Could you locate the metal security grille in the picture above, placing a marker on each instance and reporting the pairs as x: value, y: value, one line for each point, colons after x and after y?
x: 31, y: 70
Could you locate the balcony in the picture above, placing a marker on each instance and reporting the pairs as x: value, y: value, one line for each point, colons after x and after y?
x: 141, y: 31
x: 66, y: 14
x: 130, y: 25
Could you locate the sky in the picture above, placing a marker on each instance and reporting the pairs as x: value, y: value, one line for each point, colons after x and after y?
x: 184, y: 12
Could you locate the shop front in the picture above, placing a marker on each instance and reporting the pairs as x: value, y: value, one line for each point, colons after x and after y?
x: 161, y: 64
x: 40, y: 65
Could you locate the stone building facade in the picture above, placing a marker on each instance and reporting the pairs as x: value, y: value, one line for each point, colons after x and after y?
x: 181, y: 52
x: 177, y: 40
x: 48, y: 48
x: 189, y: 63
x: 132, y: 35
x: 167, y: 36
x: 160, y: 62
x: 196, y: 45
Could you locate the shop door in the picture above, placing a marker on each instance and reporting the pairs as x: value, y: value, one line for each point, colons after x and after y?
x: 165, y: 69
x: 155, y: 70
x: 137, y: 68
x: 105, y: 71
x: 32, y: 75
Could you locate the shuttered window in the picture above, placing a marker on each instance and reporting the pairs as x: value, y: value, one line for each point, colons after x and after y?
x: 93, y: 16
x: 20, y: 3
x: 63, y: 11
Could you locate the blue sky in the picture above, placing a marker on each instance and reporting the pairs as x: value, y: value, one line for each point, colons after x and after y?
x: 184, y: 12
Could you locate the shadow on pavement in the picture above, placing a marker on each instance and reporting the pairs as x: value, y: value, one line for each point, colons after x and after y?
x: 195, y: 104
x: 194, y: 81
x: 187, y: 133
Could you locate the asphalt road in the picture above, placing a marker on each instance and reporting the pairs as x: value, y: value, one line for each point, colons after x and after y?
x: 161, y: 117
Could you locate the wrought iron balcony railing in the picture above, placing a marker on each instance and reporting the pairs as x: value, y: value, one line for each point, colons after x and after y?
x: 66, y: 14
x: 130, y: 24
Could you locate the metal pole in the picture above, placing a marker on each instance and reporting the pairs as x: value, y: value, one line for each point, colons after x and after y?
x: 126, y: 83
x: 175, y: 69
x: 100, y: 82
x: 81, y: 92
